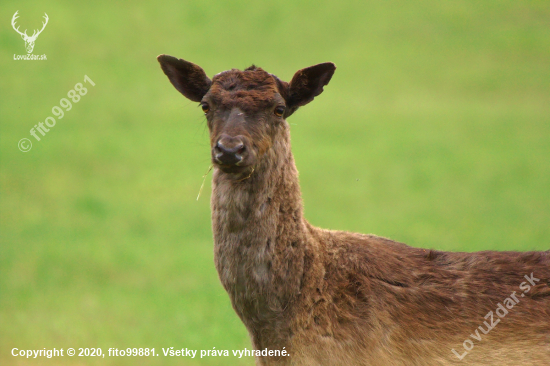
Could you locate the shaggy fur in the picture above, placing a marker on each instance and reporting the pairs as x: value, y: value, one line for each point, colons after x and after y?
x: 340, y: 298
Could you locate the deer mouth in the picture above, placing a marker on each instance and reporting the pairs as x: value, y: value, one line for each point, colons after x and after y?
x: 234, y: 169
x: 236, y: 172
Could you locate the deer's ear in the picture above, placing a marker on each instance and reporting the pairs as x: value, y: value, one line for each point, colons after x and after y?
x: 308, y: 83
x: 188, y: 78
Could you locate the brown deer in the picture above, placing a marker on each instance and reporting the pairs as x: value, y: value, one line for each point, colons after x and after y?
x: 338, y: 298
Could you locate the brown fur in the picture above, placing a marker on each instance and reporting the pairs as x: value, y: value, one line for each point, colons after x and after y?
x: 340, y: 298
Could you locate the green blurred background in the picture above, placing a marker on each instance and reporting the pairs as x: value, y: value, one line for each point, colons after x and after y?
x: 434, y: 131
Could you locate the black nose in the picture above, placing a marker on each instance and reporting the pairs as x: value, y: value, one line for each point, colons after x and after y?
x: 229, y: 150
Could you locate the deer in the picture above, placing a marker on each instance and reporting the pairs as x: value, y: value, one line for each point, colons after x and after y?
x: 311, y: 296
x: 29, y: 41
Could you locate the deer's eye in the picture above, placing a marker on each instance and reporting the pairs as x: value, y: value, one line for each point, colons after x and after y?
x: 279, y: 111
x: 205, y: 107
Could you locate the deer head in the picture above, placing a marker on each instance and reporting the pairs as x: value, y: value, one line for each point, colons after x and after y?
x: 29, y: 41
x: 245, y: 110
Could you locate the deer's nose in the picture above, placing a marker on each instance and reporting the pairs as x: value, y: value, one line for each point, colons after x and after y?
x: 229, y: 150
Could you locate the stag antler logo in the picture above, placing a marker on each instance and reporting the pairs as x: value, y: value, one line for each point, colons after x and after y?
x: 29, y: 41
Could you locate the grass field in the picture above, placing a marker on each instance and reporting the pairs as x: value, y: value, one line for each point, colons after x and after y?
x: 434, y: 131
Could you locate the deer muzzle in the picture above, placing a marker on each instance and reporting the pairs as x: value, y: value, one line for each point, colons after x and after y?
x: 230, y: 150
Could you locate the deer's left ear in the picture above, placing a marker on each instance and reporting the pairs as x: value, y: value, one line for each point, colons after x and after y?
x: 308, y: 83
x: 188, y: 78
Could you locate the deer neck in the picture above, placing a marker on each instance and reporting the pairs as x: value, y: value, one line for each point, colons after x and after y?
x: 264, y: 198
x: 258, y: 229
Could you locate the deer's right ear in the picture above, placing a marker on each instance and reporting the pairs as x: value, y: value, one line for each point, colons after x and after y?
x: 188, y: 78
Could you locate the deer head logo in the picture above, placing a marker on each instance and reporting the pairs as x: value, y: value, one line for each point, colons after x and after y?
x: 29, y: 41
